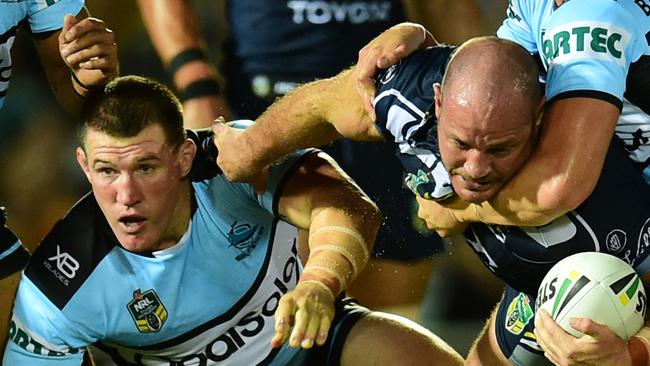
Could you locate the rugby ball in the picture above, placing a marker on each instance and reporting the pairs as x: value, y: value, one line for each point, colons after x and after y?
x: 594, y: 285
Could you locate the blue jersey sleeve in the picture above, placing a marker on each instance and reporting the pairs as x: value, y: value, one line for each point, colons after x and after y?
x: 39, y: 333
x: 588, y: 45
x: 45, y: 15
x: 517, y: 26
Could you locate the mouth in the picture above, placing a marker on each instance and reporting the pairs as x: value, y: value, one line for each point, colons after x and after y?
x: 476, y: 185
x: 132, y: 224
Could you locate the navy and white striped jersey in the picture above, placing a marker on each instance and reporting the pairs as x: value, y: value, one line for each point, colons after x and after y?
x: 42, y: 15
x: 207, y: 300
x: 615, y: 219
x: 405, y: 115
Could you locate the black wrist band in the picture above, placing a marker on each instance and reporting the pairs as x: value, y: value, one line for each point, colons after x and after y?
x: 200, y: 88
x: 88, y: 89
x: 184, y: 57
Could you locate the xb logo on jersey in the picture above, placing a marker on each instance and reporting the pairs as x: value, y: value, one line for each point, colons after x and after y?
x: 244, y: 237
x: 147, y: 311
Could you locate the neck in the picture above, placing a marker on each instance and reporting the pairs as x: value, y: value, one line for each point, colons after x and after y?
x: 180, y: 220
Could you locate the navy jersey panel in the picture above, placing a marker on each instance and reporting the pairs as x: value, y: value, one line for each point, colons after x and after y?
x: 406, y: 117
x: 276, y: 45
x: 306, y: 37
x: 403, y: 103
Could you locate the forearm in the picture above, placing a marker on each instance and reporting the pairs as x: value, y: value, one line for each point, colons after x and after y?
x: 174, y: 28
x: 312, y: 115
x: 342, y: 222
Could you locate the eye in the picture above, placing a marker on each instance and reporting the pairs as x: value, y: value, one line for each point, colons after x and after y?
x: 460, y: 144
x: 146, y: 168
x: 499, y: 150
x: 106, y: 171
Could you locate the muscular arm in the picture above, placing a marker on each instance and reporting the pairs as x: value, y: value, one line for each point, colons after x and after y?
x: 174, y: 26
x: 312, y: 115
x: 342, y: 224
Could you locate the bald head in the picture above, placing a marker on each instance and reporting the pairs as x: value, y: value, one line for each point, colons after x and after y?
x: 492, y: 71
x: 487, y: 107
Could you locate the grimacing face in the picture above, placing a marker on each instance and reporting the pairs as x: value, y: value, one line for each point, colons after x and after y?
x: 139, y: 183
x: 482, y: 148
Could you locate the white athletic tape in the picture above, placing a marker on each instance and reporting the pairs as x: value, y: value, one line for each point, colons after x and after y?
x: 345, y: 230
x: 347, y: 254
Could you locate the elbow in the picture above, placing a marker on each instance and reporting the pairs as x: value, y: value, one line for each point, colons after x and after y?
x: 565, y: 194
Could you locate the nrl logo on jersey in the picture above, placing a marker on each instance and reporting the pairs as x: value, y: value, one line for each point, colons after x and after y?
x: 147, y: 311
x: 244, y: 238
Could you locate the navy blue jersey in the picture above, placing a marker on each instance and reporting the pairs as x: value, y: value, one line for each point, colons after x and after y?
x: 306, y: 37
x: 277, y: 44
x: 614, y: 219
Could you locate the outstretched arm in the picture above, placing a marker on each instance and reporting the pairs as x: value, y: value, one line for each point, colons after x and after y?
x: 342, y: 223
x: 312, y: 115
x: 175, y: 31
x: 80, y: 57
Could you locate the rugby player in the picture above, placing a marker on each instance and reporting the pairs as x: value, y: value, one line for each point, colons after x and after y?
x: 77, y: 54
x: 155, y: 269
x: 462, y: 126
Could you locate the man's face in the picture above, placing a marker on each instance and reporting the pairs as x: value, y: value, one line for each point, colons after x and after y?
x: 482, y: 147
x: 139, y: 185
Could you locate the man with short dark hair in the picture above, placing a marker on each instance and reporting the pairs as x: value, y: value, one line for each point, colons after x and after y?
x: 153, y: 268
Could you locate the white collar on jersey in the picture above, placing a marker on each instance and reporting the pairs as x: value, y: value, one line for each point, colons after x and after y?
x: 176, y: 247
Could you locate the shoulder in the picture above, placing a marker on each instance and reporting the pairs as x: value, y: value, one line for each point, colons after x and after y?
x: 415, y: 75
x: 71, y: 251
x: 46, y: 16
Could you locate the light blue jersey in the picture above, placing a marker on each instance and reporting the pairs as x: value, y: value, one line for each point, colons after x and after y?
x: 41, y: 15
x: 207, y: 300
x: 592, y: 48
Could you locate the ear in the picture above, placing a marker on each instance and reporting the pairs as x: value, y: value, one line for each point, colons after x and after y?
x: 83, y: 162
x: 186, y: 154
x: 437, y: 96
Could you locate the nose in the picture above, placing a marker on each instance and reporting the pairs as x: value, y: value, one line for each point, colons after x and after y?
x: 128, y: 193
x: 477, y: 165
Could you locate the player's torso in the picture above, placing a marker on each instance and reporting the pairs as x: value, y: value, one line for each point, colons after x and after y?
x: 209, y: 299
x: 306, y: 37
x: 615, y: 218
